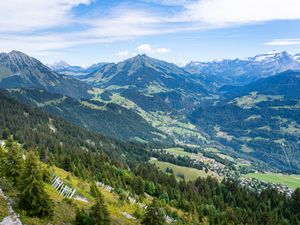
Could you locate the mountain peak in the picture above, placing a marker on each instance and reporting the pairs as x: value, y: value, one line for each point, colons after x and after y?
x: 16, y: 59
x: 141, y: 57
x: 17, y: 54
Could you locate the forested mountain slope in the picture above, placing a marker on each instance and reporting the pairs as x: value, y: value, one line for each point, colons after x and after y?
x: 34, y: 127
x: 105, y: 118
x: 260, y: 119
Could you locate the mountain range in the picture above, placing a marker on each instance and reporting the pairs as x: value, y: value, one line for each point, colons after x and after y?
x: 148, y: 100
x: 241, y: 71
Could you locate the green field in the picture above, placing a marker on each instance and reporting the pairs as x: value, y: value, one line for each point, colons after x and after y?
x: 178, y: 151
x: 189, y: 173
x: 292, y: 181
x: 212, y: 150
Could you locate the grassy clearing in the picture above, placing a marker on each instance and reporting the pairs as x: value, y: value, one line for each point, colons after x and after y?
x: 182, y: 153
x: 199, y: 156
x: 155, y: 88
x: 212, y: 150
x: 3, y: 209
x: 92, y: 106
x: 189, y: 173
x: 249, y: 101
x: 292, y: 181
x: 178, y: 151
x: 223, y: 156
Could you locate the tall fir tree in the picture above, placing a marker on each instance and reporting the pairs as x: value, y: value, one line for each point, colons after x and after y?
x: 83, y: 218
x: 296, y: 201
x: 99, y: 212
x: 33, y: 198
x: 13, y: 160
x: 154, y: 215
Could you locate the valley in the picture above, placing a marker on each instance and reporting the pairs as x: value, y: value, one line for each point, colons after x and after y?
x: 144, y: 130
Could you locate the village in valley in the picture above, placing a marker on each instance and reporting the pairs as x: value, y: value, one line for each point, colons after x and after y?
x: 229, y: 168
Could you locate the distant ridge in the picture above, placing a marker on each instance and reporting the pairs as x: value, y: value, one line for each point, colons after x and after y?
x: 242, y: 71
x: 18, y: 70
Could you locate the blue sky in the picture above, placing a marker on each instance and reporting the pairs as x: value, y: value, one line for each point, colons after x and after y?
x: 84, y: 32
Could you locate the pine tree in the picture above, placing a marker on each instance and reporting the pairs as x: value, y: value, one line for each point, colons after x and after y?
x: 13, y: 160
x: 138, y: 186
x: 99, y: 212
x: 33, y: 198
x: 296, y: 201
x: 94, y: 190
x: 83, y: 218
x: 154, y: 215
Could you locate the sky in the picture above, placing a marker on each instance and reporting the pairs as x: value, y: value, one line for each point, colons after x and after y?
x: 83, y: 32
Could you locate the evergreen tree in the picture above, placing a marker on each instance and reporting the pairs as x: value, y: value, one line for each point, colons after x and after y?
x: 296, y: 201
x: 83, y: 218
x: 99, y: 212
x: 13, y: 160
x: 150, y: 188
x: 138, y: 186
x: 153, y: 216
x: 94, y: 190
x: 33, y: 198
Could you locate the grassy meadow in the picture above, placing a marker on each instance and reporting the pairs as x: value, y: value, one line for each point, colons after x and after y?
x: 292, y: 181
x: 189, y: 173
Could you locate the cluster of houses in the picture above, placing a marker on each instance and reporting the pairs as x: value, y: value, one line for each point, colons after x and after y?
x: 259, y: 186
x: 250, y: 183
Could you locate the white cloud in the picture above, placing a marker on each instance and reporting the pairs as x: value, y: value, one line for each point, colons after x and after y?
x: 163, y: 50
x: 284, y: 42
x: 29, y: 15
x: 220, y: 13
x: 24, y: 24
x: 122, y: 53
x: 170, y: 2
x: 146, y: 48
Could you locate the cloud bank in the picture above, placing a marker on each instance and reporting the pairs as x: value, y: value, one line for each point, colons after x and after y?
x: 43, y: 27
